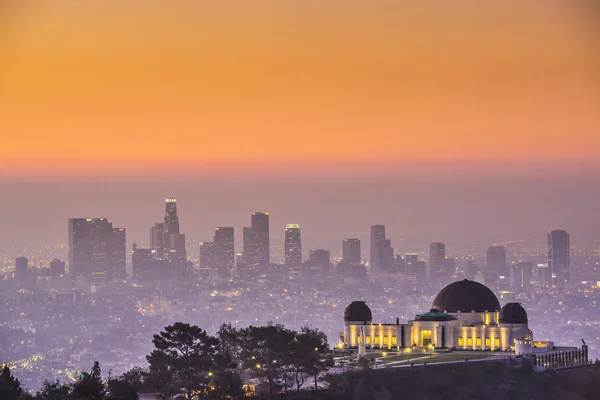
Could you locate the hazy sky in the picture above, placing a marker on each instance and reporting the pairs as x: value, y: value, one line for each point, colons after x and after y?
x: 443, y: 119
x: 147, y: 89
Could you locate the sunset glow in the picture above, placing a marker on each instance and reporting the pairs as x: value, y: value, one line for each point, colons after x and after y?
x: 129, y: 88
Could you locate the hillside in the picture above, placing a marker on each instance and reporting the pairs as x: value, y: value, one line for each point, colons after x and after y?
x: 480, y: 381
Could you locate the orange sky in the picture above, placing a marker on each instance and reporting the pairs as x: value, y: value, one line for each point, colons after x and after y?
x: 243, y: 84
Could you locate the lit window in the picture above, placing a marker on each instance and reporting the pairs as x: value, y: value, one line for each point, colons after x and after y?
x: 488, y: 342
x: 385, y: 340
x: 461, y: 341
x: 478, y: 342
x: 367, y: 339
x: 497, y: 342
x: 358, y: 339
x: 470, y: 341
x: 394, y: 340
x: 376, y: 339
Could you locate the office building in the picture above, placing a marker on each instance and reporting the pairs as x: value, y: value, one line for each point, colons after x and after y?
x: 437, y: 257
x: 211, y: 261
x: 21, y: 270
x: 293, y: 246
x: 319, y: 263
x: 57, y: 268
x: 377, y: 237
x: 559, y: 257
x: 495, y: 258
x: 96, y: 250
x: 256, y: 242
x: 351, y: 251
x: 224, y: 238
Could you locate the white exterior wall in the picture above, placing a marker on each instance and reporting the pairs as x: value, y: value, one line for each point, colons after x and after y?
x: 353, y: 329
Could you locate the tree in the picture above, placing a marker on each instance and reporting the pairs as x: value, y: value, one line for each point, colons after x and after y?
x: 10, y: 387
x: 265, y: 353
x: 122, y: 389
x: 135, y: 377
x: 187, y: 353
x: 89, y: 386
x: 54, y: 390
x: 312, y: 355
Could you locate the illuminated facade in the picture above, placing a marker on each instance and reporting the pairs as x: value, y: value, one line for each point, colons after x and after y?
x: 465, y: 315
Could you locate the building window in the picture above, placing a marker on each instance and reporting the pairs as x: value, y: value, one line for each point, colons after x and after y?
x: 478, y: 342
x: 386, y: 340
x: 461, y: 341
x: 367, y: 339
x: 376, y: 339
x: 470, y: 341
x: 497, y: 342
x: 358, y: 339
x: 426, y: 334
x: 488, y: 342
x: 394, y: 340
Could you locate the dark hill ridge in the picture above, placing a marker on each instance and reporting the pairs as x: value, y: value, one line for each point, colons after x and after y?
x: 477, y: 381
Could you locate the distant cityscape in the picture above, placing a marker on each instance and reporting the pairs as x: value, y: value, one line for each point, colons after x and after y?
x: 95, y: 298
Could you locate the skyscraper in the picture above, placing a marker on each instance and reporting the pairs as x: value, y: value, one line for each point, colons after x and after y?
x: 377, y: 236
x: 319, y: 262
x: 168, y: 242
x: 96, y: 249
x: 21, y: 270
x: 259, y: 223
x: 351, y: 251
x: 224, y: 238
x: 293, y: 246
x: 495, y: 258
x: 559, y: 257
x: 211, y: 261
x: 157, y: 240
x: 174, y: 239
x: 57, y: 268
x: 437, y: 257
x: 171, y: 218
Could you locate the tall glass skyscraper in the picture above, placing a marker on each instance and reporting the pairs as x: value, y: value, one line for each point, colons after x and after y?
x: 559, y: 257
x: 293, y: 246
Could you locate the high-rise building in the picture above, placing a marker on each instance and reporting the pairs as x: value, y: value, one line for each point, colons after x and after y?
x: 495, y: 257
x: 399, y: 264
x: 211, y: 261
x: 21, y: 270
x: 351, y: 251
x: 543, y: 275
x: 57, y: 268
x: 293, y: 246
x: 437, y: 257
x: 259, y: 223
x: 224, y: 238
x: 256, y: 242
x: 319, y: 262
x: 377, y: 236
x: 168, y: 242
x: 96, y: 249
x: 559, y: 257
x: 157, y: 242
x: 172, y: 238
x: 171, y: 217
x: 385, y: 255
x: 118, y: 247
